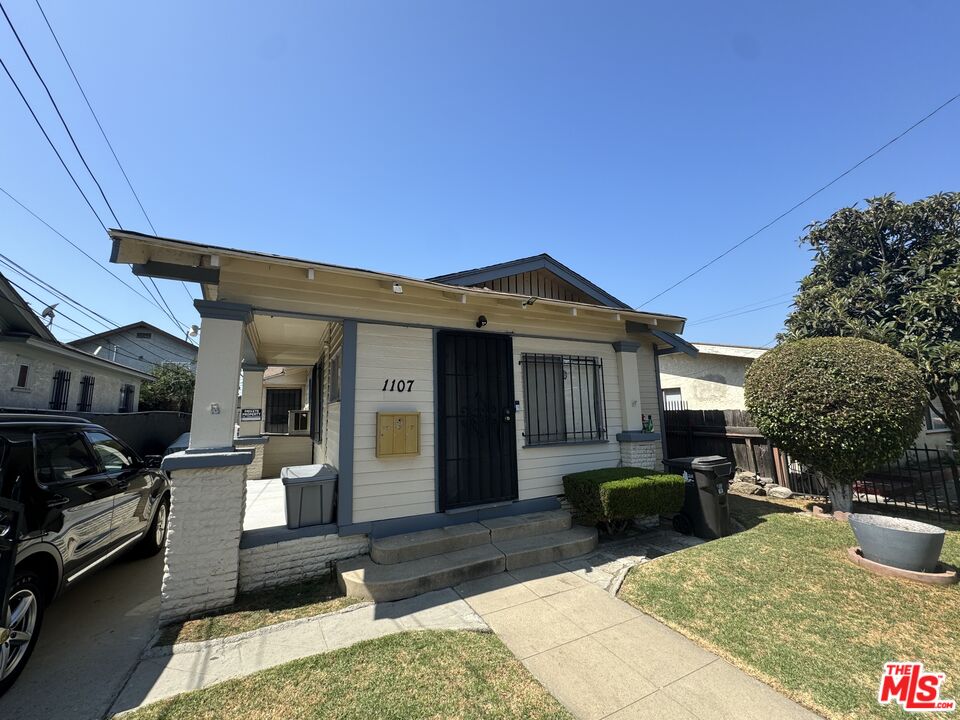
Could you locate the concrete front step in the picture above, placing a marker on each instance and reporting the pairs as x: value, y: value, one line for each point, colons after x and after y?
x: 363, y: 578
x: 528, y: 525
x: 537, y: 549
x: 416, y: 545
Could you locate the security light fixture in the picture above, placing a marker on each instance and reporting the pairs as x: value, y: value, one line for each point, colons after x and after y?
x: 398, y: 288
x: 529, y: 301
x: 482, y: 321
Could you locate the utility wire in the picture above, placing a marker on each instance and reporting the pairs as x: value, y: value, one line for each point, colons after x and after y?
x: 102, y: 131
x: 743, y: 312
x: 802, y: 202
x: 59, y: 114
x: 54, y: 147
x: 739, y: 307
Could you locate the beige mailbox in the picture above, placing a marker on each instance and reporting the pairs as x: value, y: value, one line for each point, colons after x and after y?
x: 398, y: 434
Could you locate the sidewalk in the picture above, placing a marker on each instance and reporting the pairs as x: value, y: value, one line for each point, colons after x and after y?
x: 170, y: 670
x: 604, y: 659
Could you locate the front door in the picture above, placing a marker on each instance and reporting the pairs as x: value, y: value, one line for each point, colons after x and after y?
x: 477, y: 438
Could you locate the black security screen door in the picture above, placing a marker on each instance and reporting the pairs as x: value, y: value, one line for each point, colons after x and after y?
x: 476, y: 422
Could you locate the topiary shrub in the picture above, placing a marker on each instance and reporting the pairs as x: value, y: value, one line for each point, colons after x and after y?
x: 840, y: 405
x: 616, y: 495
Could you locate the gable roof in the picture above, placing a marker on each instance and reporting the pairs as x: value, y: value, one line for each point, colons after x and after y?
x: 19, y: 324
x: 17, y: 317
x: 543, y: 261
x: 131, y: 326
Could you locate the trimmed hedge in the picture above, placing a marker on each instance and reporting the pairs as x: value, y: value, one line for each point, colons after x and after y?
x: 623, y: 493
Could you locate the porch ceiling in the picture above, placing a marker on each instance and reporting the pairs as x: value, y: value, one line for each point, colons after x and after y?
x: 279, y: 340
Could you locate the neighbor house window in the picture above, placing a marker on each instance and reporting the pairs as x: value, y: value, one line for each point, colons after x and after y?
x: 935, y: 423
x: 145, y: 335
x: 60, y: 391
x: 126, y: 398
x: 672, y: 399
x: 23, y: 374
x: 563, y: 399
x: 280, y: 401
x: 85, y: 403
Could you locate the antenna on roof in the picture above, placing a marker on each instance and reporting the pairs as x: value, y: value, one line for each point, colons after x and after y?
x: 49, y: 313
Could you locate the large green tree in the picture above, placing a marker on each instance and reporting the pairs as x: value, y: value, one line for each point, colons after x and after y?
x: 890, y: 272
x: 171, y: 389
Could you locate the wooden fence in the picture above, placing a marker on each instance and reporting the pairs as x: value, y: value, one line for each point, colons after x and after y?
x: 730, y: 433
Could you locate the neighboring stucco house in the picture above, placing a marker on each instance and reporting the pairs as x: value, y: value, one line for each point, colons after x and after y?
x: 713, y: 380
x: 38, y: 372
x: 141, y: 346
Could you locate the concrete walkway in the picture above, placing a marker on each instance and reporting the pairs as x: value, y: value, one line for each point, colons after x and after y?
x: 604, y: 659
x: 167, y: 671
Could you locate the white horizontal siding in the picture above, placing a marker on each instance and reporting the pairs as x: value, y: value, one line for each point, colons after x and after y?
x: 393, y: 487
x: 540, y: 470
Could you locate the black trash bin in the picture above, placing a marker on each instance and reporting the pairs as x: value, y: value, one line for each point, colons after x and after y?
x: 705, y: 511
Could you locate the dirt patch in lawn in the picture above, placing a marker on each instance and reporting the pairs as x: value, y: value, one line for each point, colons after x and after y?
x: 431, y: 674
x: 261, y: 608
x: 783, y: 602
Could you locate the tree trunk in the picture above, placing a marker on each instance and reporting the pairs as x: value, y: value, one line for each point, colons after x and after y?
x: 841, y: 495
x: 951, y: 416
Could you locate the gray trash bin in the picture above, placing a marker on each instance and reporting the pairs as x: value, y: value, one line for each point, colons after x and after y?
x: 705, y: 510
x: 310, y: 493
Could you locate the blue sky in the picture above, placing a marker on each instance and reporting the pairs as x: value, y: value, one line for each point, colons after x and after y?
x: 630, y: 140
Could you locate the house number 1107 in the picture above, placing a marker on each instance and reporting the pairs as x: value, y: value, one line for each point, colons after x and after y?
x: 397, y: 385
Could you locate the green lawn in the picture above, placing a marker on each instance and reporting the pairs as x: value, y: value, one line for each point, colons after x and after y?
x: 781, y: 601
x: 401, y: 677
x: 258, y: 609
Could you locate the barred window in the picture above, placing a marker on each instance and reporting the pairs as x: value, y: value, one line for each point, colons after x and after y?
x: 85, y: 403
x: 563, y: 399
x: 60, y: 390
x: 280, y: 401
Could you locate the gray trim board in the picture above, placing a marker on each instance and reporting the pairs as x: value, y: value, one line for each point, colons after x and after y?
x: 637, y: 436
x: 240, y: 440
x: 220, y: 310
x: 281, y: 533
x: 626, y: 346
x: 663, y: 430
x: 415, y: 523
x: 172, y: 271
x: 436, y: 425
x: 676, y: 343
x: 251, y: 367
x: 348, y: 408
x: 198, y: 460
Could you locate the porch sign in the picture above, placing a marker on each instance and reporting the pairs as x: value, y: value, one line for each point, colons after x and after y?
x: 251, y: 414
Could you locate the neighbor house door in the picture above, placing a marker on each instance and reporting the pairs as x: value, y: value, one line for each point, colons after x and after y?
x: 477, y: 439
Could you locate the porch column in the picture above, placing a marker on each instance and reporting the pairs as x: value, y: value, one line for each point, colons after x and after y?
x: 638, y: 448
x: 208, y: 480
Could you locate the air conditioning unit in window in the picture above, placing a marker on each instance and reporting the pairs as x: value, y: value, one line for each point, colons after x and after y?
x: 298, y: 422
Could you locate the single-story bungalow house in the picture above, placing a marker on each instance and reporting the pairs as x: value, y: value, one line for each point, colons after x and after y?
x: 141, y: 346
x: 38, y: 372
x: 455, y: 400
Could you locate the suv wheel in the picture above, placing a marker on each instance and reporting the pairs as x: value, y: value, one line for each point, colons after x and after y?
x: 156, y: 538
x: 20, y: 629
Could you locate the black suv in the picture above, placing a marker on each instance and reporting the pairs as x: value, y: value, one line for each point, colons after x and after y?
x: 72, y: 498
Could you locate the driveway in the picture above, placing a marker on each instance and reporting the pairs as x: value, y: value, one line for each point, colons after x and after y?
x: 91, y: 639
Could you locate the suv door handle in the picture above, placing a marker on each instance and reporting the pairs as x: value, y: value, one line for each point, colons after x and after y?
x: 123, y: 484
x: 57, y: 501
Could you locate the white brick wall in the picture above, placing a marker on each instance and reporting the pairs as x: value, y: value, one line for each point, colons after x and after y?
x: 642, y: 454
x: 255, y: 468
x: 202, y: 559
x: 295, y: 560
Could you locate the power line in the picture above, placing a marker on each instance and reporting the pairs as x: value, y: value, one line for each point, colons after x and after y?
x: 79, y: 249
x: 802, y: 202
x: 102, y: 131
x: 59, y: 114
x: 743, y: 312
x: 52, y: 146
x: 739, y: 307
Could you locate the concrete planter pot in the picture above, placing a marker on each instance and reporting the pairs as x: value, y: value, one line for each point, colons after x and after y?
x: 904, y: 544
